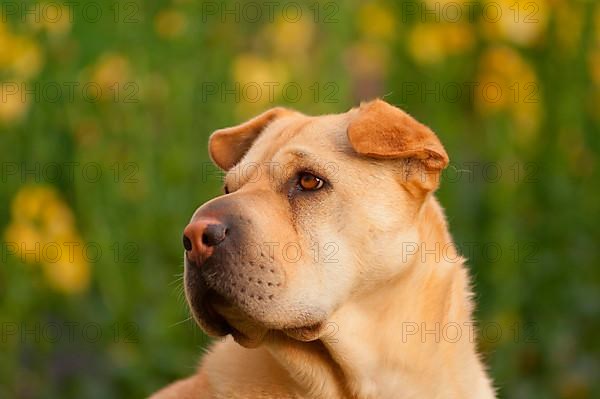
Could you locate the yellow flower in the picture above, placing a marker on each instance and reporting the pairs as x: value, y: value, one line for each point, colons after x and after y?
x: 25, y: 239
x: 14, y: 103
x: 57, y: 219
x: 20, y: 55
x: 111, y: 73
x: 425, y: 44
x: 30, y: 201
x: 250, y: 68
x: 258, y: 82
x: 458, y: 38
x: 376, y: 21
x: 594, y: 54
x: 503, y: 67
x: 432, y: 43
x: 6, y: 47
x: 20, y: 59
x: 521, y: 22
x: 594, y: 66
x: 291, y: 38
x: 28, y: 59
x: 70, y: 273
x: 597, y: 24
x: 56, y: 20
x: 507, y: 83
x: 170, y: 24
x: 43, y: 231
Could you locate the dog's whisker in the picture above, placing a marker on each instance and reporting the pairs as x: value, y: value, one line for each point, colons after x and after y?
x: 176, y: 282
x: 181, y: 322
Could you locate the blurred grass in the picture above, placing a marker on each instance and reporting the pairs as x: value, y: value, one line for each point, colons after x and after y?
x: 150, y: 145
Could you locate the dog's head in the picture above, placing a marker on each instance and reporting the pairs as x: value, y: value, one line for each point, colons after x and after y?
x: 315, y: 211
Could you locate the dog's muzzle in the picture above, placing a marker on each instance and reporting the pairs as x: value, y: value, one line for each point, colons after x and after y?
x: 227, y: 265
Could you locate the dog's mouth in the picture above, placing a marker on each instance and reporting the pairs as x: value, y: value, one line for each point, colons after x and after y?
x: 219, y: 316
x: 229, y: 319
x: 213, y: 312
x: 217, y: 324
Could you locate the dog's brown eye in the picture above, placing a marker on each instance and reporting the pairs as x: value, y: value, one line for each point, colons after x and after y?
x: 310, y: 182
x: 226, y: 189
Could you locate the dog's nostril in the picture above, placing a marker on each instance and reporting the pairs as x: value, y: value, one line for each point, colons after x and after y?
x: 214, y: 234
x: 187, y: 243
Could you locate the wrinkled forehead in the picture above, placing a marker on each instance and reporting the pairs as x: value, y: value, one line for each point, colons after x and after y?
x: 321, y: 136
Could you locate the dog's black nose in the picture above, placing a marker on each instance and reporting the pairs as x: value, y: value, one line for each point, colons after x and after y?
x: 201, y: 236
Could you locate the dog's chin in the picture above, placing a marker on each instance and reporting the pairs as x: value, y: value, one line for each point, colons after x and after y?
x: 244, y: 330
x: 206, y: 316
x: 218, y: 317
x: 308, y: 333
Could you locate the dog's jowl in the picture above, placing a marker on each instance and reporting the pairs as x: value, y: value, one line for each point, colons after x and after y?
x: 327, y: 264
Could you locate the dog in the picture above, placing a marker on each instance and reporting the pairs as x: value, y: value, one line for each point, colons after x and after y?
x: 328, y: 266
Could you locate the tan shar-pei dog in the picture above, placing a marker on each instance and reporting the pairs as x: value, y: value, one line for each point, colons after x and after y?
x: 328, y: 265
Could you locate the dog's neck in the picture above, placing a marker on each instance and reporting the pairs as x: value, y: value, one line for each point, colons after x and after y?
x: 416, y: 327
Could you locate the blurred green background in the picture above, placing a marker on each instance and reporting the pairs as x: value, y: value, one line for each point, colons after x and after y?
x: 105, y: 111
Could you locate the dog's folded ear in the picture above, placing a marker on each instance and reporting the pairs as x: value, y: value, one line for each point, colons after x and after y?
x: 380, y: 130
x: 227, y: 146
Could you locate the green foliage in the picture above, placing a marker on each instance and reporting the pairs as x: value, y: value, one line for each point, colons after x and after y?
x: 104, y: 122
